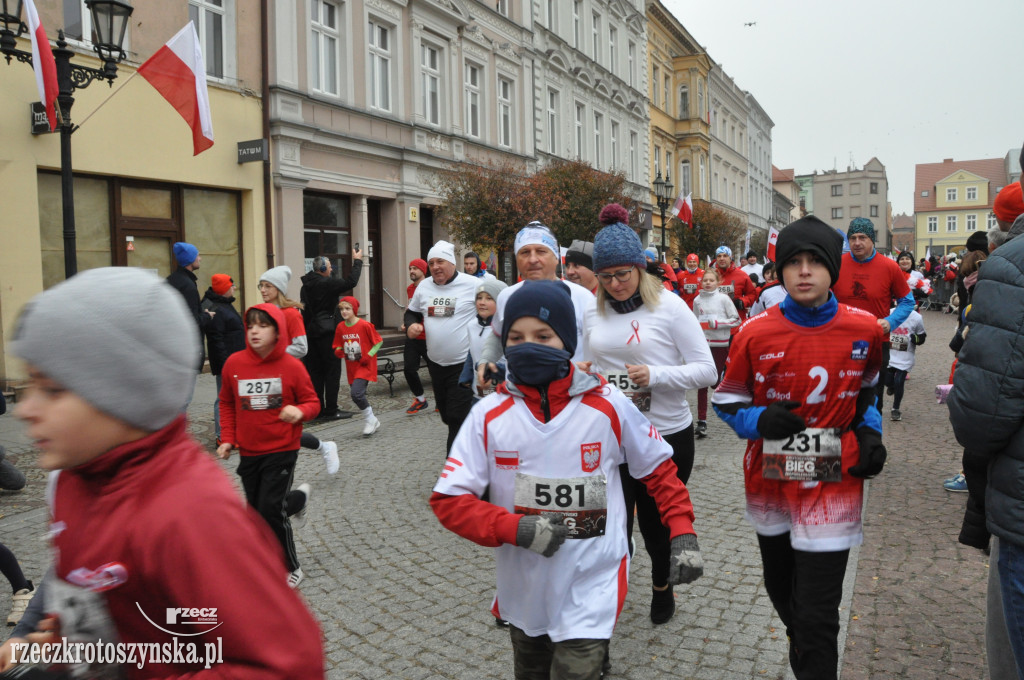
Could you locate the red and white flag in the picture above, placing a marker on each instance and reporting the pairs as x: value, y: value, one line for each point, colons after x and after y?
x: 773, y: 236
x: 683, y: 209
x: 178, y: 73
x: 43, y: 63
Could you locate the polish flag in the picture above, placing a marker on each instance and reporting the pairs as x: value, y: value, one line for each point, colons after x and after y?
x: 43, y: 63
x: 773, y: 237
x: 178, y: 73
x: 683, y: 209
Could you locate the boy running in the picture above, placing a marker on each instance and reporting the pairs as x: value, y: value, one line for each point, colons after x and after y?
x: 357, y: 342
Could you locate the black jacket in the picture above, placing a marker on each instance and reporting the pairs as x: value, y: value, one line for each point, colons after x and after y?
x: 320, y: 294
x: 184, y: 281
x: 225, y: 333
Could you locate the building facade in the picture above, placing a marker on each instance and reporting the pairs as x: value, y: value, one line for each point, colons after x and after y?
x: 679, y: 106
x: 839, y: 197
x: 903, y: 237
x: 137, y: 186
x: 729, y: 164
x: 761, y: 208
x: 952, y: 200
x: 784, y: 182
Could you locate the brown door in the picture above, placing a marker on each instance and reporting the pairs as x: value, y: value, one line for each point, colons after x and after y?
x: 372, y: 257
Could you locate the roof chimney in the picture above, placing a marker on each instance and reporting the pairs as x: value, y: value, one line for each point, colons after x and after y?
x: 947, y: 160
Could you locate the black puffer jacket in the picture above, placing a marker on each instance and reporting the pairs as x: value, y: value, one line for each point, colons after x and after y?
x: 184, y: 281
x: 225, y: 333
x: 320, y: 294
x: 986, y: 404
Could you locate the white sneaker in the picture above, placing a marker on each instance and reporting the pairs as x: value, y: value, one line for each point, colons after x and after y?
x: 298, y: 520
x: 18, y: 605
x: 330, y: 453
x: 371, y: 427
x: 295, y: 578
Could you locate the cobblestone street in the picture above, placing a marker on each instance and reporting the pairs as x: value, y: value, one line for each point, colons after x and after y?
x: 400, y: 597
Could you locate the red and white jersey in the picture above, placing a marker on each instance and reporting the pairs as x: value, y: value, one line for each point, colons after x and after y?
x: 567, y: 466
x: 689, y: 284
x: 823, y: 368
x: 901, y: 352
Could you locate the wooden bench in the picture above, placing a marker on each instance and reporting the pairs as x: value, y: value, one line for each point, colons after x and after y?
x: 391, y: 357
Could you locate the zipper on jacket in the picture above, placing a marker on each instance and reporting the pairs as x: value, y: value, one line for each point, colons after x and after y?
x: 544, y: 406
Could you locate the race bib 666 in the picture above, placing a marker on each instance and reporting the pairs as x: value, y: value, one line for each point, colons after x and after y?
x: 260, y: 394
x: 441, y: 306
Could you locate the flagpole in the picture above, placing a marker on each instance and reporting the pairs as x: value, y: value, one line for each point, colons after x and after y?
x: 109, y: 97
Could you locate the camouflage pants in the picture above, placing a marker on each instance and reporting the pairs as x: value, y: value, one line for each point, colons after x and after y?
x: 538, y: 658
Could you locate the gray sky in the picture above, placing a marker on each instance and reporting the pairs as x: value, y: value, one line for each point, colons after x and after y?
x: 907, y: 81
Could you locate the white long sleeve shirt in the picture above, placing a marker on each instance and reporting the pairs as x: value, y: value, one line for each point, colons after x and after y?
x: 668, y: 340
x: 717, y: 307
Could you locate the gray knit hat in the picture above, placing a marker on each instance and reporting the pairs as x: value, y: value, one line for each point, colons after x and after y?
x: 492, y: 287
x: 617, y: 244
x: 135, y: 358
x: 278, y: 277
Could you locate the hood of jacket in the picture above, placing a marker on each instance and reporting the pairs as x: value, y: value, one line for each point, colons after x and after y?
x: 220, y: 299
x: 277, y: 314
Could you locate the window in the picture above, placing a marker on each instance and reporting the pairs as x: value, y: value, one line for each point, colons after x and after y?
x: 837, y: 213
x: 504, y: 111
x: 972, y: 193
x: 991, y: 222
x: 502, y: 7
x: 324, y: 37
x: 951, y: 194
x: 703, y: 177
x: 684, y: 102
x: 431, y: 82
x: 655, y: 79
x: 598, y: 125
x: 873, y: 187
x: 700, y: 98
x: 668, y: 165
x: 631, y: 63
x: 634, y: 166
x: 873, y: 211
x: 684, y: 177
x: 552, y: 16
x: 924, y: 194
x: 380, y: 66
x: 613, y: 56
x: 473, y: 99
x: 972, y: 222
x: 950, y: 222
x: 657, y: 160
x: 933, y: 225
x: 576, y: 23
x: 579, y: 130
x: 615, y: 144
x: 595, y: 35
x: 78, y: 20
x: 666, y: 96
x: 209, y: 18
x: 552, y: 121
x: 837, y: 190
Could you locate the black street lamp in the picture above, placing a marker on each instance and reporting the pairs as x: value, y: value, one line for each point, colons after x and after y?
x: 109, y: 22
x: 663, y: 190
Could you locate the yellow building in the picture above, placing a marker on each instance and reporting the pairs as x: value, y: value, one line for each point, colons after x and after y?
x: 678, y: 91
x: 137, y: 186
x: 952, y: 200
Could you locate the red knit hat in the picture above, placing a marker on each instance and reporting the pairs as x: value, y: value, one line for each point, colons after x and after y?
x: 1009, y: 203
x: 221, y: 283
x: 352, y: 301
x: 420, y: 264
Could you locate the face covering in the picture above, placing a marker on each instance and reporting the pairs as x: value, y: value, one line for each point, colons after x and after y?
x: 531, y: 363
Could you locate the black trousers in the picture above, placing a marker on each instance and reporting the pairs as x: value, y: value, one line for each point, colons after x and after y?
x: 414, y: 351
x: 325, y: 371
x: 656, y: 537
x: 805, y: 588
x: 267, y: 482
x: 452, y: 399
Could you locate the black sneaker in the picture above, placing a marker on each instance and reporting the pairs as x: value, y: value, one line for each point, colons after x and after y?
x: 896, y: 415
x: 663, y: 605
x: 500, y: 623
x: 702, y: 429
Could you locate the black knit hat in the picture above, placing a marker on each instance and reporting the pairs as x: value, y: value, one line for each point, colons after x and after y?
x: 581, y: 253
x: 550, y: 302
x: 809, y: 234
x: 978, y: 241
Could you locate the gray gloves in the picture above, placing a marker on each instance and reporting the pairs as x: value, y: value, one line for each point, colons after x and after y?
x: 543, y: 535
x: 685, y: 564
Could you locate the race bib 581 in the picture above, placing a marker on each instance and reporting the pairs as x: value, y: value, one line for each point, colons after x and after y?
x: 580, y: 501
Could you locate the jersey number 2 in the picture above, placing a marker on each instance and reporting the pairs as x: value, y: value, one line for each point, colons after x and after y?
x: 817, y: 395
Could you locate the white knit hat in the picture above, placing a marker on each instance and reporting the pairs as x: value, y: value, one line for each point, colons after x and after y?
x: 132, y: 356
x: 278, y: 277
x: 443, y: 250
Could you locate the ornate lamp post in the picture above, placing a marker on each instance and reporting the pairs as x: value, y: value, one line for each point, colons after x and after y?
x: 663, y: 190
x: 109, y: 22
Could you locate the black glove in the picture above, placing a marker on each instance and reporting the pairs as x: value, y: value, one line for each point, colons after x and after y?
x: 685, y: 565
x: 739, y: 304
x: 917, y: 338
x: 872, y: 453
x: 541, y: 534
x: 778, y: 420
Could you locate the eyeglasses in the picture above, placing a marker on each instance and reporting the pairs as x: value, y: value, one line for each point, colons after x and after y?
x: 621, y: 276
